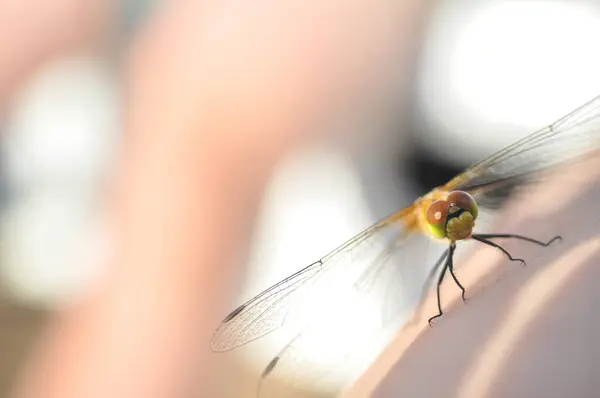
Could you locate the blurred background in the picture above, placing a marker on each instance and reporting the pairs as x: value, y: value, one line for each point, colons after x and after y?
x: 482, y: 74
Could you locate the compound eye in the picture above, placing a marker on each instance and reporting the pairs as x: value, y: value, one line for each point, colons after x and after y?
x: 437, y: 215
x: 465, y: 201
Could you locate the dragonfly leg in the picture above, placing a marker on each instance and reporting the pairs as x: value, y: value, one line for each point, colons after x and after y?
x: 483, y: 239
x: 451, y: 269
x: 439, y: 282
x: 432, y: 273
x: 525, y: 238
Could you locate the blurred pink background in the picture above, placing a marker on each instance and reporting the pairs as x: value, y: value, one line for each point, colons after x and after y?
x: 442, y: 85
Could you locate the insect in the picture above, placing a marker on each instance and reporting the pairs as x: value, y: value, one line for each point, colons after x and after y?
x: 449, y: 212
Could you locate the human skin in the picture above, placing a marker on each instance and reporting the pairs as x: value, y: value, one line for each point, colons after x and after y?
x: 217, y: 93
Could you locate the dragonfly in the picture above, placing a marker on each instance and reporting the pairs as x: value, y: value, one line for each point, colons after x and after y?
x: 448, y: 213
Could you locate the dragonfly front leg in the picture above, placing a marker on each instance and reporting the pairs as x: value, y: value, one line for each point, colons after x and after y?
x: 521, y: 237
x: 447, y: 264
x: 451, y: 269
x: 482, y: 239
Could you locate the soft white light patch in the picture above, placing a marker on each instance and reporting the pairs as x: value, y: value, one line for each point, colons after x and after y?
x: 59, y: 142
x: 45, y: 242
x: 63, y: 125
x: 495, y: 71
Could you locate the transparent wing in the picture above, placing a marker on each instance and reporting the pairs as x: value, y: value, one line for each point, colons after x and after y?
x: 299, y: 294
x: 490, y: 181
x: 355, y: 323
x: 385, y: 263
x: 527, y: 160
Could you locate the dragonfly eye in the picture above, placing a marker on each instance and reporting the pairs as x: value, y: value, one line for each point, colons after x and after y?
x: 437, y: 215
x: 465, y: 201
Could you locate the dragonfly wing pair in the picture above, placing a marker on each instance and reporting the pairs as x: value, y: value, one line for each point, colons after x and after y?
x: 387, y: 260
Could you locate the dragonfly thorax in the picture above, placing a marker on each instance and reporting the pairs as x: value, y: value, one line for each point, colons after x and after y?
x: 453, y: 218
x: 460, y: 224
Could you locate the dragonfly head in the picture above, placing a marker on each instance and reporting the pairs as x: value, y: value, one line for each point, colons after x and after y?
x: 453, y: 218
